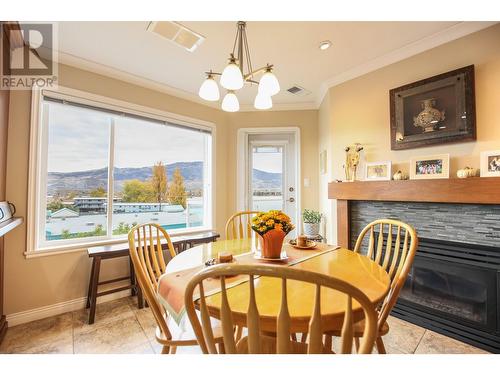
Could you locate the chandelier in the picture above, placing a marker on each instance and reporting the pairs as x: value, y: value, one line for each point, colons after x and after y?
x: 233, y: 77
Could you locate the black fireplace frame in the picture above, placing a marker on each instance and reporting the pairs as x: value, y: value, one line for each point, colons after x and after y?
x: 479, y: 257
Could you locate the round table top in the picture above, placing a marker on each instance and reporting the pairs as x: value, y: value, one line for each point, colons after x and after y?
x: 343, y: 264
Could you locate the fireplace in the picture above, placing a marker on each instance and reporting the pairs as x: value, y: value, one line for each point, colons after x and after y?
x: 454, y: 288
x: 454, y: 285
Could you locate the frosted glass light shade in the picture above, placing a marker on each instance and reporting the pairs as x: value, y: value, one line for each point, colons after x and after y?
x: 269, y: 84
x: 231, y: 78
x: 230, y: 103
x: 209, y: 90
x: 263, y: 102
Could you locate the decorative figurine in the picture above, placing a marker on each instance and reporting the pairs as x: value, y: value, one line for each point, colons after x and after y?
x: 399, y: 176
x: 352, y: 157
x: 466, y: 172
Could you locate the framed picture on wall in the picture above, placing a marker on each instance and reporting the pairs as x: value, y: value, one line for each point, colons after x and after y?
x: 378, y: 171
x: 436, y: 110
x: 429, y: 167
x: 490, y: 163
x: 322, y: 162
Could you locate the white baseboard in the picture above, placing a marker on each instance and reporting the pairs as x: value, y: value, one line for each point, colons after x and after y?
x: 59, y: 308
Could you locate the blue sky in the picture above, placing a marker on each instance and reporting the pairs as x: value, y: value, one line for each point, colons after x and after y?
x: 79, y: 140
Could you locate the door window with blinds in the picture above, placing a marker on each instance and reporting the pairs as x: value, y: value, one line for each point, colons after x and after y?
x: 102, y: 171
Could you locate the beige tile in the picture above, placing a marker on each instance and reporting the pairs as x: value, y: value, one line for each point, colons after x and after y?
x: 147, y: 322
x: 403, y: 336
x: 435, y: 343
x: 105, y: 312
x: 62, y: 346
x: 53, y: 335
x: 123, y: 335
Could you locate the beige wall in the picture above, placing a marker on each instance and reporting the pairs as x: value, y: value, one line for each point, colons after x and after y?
x: 358, y: 110
x: 43, y: 281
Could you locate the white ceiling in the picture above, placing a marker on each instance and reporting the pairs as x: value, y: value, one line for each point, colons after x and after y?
x: 126, y: 50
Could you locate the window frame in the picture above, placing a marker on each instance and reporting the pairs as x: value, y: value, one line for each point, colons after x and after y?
x: 38, y: 167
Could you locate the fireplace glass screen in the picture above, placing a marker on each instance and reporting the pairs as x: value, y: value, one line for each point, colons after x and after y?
x: 449, y: 288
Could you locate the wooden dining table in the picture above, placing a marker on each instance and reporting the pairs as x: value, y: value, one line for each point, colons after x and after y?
x: 330, y: 260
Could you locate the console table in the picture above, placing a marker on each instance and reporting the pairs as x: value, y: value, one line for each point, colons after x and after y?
x: 99, y: 253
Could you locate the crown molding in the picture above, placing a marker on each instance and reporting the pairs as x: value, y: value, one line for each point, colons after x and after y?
x: 453, y: 32
x: 108, y: 71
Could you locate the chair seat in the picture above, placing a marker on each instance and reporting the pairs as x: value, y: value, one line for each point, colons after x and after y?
x: 359, y: 330
x: 185, y: 337
x: 268, y: 346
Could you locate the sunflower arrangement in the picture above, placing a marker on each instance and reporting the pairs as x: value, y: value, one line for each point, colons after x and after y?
x: 263, y: 222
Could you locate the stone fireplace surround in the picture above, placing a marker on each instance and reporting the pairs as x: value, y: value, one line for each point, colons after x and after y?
x: 458, y: 224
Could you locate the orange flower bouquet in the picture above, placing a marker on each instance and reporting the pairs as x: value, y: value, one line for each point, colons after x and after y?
x: 272, y: 227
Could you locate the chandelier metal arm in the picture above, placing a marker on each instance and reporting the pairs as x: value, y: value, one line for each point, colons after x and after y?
x: 247, y: 77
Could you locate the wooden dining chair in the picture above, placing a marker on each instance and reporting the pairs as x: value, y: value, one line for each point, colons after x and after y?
x: 258, y: 343
x: 394, y: 249
x: 146, y: 252
x: 239, y: 225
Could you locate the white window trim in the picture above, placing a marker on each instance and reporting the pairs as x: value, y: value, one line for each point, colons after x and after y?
x: 36, y: 182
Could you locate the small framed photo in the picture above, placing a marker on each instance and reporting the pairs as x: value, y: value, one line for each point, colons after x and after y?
x: 378, y: 171
x: 435, y: 166
x: 490, y: 163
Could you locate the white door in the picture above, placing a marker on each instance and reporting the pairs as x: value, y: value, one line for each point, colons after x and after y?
x: 272, y: 173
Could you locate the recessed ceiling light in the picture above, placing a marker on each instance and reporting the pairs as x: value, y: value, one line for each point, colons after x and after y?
x: 325, y: 45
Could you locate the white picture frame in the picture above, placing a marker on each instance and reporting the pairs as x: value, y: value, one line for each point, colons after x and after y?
x: 487, y: 160
x: 430, y: 167
x: 378, y: 171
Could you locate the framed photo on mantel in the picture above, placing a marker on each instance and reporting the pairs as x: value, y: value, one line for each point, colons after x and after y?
x: 436, y: 110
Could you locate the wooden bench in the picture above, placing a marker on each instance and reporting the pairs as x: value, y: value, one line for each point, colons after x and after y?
x: 99, y: 253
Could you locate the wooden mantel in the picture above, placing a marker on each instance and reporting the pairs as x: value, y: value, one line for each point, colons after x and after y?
x: 477, y: 190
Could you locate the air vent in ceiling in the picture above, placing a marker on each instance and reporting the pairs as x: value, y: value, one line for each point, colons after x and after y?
x: 298, y: 90
x: 177, y: 33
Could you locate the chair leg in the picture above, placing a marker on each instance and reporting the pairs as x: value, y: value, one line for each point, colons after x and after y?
x: 165, y: 349
x: 222, y: 349
x: 380, y: 346
x: 173, y: 350
x: 356, y: 344
x: 239, y: 333
x: 328, y: 342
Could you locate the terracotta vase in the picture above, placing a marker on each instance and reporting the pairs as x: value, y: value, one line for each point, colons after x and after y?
x: 271, y: 243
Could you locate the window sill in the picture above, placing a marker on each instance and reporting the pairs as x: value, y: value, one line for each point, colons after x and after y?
x: 81, y: 247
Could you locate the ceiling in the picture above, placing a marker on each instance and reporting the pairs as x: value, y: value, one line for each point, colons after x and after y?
x: 127, y: 51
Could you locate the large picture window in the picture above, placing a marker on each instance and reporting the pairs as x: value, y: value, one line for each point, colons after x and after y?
x: 103, y: 170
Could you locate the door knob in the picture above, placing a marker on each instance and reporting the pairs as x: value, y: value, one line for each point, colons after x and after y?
x: 291, y: 200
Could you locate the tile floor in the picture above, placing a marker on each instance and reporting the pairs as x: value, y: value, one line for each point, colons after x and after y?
x: 122, y: 328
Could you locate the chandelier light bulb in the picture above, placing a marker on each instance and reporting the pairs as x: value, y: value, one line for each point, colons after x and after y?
x: 231, y: 78
x: 263, y: 102
x: 269, y: 84
x: 209, y: 90
x: 230, y: 102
